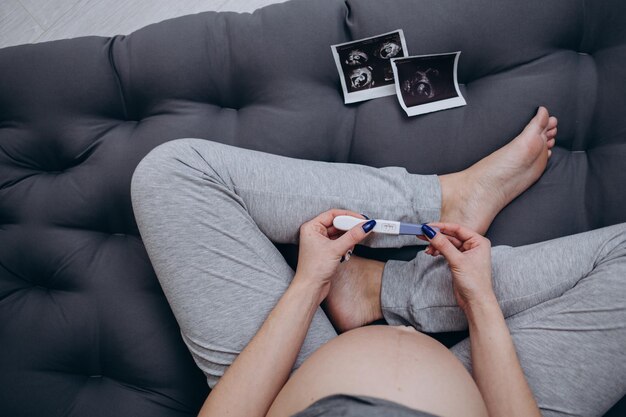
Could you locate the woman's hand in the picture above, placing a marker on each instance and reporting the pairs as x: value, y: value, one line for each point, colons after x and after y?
x: 469, y: 256
x: 495, y: 366
x: 272, y: 352
x: 322, y: 247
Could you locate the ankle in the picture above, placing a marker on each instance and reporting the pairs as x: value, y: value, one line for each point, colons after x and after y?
x: 374, y: 278
x: 450, y: 184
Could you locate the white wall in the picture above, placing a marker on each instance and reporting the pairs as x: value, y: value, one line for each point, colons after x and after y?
x: 25, y: 21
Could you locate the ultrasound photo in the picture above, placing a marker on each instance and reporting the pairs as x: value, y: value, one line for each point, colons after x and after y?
x: 427, y: 83
x: 365, y: 65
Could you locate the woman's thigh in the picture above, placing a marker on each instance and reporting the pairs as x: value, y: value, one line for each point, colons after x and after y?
x: 220, y: 273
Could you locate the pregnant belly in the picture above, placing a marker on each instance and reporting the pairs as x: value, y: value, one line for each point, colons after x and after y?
x: 394, y: 363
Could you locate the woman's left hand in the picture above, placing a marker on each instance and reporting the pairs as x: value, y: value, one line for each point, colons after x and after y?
x: 322, y: 246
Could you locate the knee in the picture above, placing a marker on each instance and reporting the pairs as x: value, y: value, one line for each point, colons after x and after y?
x: 178, y: 158
x: 617, y: 239
x: 613, y: 248
x: 166, y: 155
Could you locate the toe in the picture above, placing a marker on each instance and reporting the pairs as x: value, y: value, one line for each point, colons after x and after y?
x: 551, y: 134
x: 552, y: 122
x: 551, y: 143
x: 541, y: 119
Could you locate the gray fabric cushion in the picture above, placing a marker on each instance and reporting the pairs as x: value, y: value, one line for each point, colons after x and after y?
x: 85, y: 327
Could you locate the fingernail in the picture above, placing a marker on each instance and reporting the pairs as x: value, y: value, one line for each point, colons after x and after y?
x: 369, y: 225
x: 365, y: 216
x: 428, y: 231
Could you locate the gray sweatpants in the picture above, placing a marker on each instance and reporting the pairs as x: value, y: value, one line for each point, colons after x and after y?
x: 208, y: 214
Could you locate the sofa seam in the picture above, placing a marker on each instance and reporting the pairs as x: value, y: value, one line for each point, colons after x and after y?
x: 116, y: 75
x: 583, y: 37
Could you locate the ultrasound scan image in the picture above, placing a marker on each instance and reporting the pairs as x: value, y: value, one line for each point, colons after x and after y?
x: 361, y: 78
x: 427, y: 79
x: 388, y: 50
x: 356, y: 57
x: 366, y: 64
x: 420, y: 84
x: 428, y: 83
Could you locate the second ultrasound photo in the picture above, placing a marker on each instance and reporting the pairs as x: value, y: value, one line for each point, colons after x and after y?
x: 428, y: 83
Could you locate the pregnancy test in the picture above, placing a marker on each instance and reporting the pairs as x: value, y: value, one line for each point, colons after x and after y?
x: 387, y: 227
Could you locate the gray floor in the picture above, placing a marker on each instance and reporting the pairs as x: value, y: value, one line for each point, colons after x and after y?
x: 26, y: 21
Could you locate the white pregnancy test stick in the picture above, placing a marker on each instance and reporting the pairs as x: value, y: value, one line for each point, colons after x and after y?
x: 387, y: 227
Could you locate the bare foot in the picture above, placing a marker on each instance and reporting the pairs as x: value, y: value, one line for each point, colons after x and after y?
x: 475, y: 196
x: 354, y: 297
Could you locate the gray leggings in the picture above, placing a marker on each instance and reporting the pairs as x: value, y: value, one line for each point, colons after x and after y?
x: 208, y: 214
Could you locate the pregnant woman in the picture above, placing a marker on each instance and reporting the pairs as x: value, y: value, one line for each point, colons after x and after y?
x: 546, y: 321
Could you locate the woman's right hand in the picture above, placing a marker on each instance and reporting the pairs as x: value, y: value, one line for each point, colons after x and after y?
x: 469, y: 256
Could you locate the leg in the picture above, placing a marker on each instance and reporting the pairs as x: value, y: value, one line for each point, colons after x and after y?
x: 572, y: 347
x: 420, y: 293
x: 207, y: 212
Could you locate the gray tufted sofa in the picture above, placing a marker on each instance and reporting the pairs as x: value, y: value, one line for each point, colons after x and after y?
x: 84, y: 327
